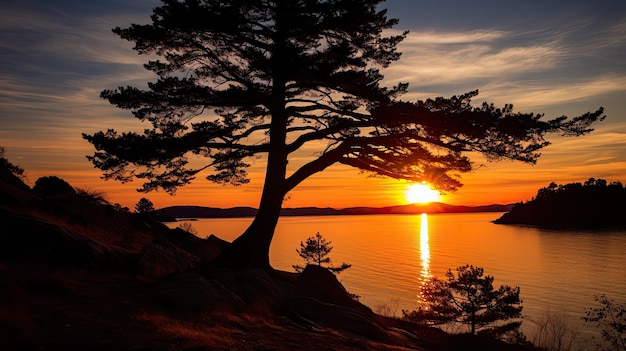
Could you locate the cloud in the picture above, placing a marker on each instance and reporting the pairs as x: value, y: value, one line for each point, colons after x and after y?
x: 439, y: 38
x: 541, y: 93
x: 549, y: 67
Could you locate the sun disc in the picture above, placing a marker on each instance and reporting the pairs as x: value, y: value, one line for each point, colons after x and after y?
x: 421, y: 193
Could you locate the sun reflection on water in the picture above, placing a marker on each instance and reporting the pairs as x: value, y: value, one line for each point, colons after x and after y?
x: 424, y: 249
x: 425, y: 274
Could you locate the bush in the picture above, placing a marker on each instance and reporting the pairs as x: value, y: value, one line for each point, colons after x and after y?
x: 95, y: 197
x: 554, y: 332
x: 610, y: 317
x: 53, y: 186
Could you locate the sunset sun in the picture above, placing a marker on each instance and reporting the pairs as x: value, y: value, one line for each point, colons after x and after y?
x: 421, y: 193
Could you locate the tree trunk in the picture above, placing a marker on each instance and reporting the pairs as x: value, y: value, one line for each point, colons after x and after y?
x: 251, y: 249
x: 473, y: 322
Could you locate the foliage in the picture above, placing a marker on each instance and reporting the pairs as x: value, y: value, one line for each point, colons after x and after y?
x: 554, y: 332
x: 92, y: 196
x: 610, y: 317
x: 389, y: 309
x: 241, y: 80
x: 53, y: 186
x: 6, y: 166
x: 144, y: 205
x: 188, y: 227
x: 315, y: 251
x: 120, y: 208
x: 595, y: 202
x: 469, y: 298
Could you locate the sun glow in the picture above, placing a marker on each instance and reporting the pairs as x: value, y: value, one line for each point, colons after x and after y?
x: 421, y: 193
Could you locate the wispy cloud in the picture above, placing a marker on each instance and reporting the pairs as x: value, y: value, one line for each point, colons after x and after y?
x: 540, y: 93
x: 444, y: 69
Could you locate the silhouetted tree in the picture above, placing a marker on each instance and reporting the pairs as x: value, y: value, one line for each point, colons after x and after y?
x: 11, y: 173
x: 53, y: 186
x: 144, y: 205
x: 610, y: 317
x: 469, y: 298
x: 315, y: 251
x: 237, y: 79
x: 6, y: 166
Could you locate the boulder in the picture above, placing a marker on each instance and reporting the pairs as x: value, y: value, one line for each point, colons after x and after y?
x: 255, y: 286
x: 323, y: 301
x: 321, y: 284
x: 345, y: 319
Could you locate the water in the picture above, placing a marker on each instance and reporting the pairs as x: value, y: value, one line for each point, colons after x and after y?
x: 390, y: 255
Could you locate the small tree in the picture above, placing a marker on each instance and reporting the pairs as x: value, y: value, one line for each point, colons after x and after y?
x: 144, y: 206
x: 315, y: 251
x: 469, y: 298
x: 611, y: 318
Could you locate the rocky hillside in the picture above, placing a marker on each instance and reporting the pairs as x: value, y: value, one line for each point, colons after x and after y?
x: 77, y: 273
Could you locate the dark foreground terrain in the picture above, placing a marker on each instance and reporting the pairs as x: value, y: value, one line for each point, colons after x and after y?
x: 78, y: 274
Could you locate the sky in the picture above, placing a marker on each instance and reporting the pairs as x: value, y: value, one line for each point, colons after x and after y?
x: 552, y: 57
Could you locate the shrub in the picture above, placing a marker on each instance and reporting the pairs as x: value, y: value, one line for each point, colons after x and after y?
x: 53, y: 186
x: 610, y: 317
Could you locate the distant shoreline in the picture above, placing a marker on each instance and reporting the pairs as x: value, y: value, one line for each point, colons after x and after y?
x: 245, y: 212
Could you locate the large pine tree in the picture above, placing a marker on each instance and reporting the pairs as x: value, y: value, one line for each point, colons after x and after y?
x: 239, y: 78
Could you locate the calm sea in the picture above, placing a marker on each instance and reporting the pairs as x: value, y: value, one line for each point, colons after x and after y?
x: 557, y: 271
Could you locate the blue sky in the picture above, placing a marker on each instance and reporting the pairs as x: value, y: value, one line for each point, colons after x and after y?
x: 555, y: 57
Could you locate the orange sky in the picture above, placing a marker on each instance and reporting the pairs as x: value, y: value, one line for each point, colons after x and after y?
x: 57, y: 59
x: 569, y: 160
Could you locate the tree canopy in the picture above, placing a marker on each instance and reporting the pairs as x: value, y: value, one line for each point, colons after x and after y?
x: 237, y: 79
x: 144, y: 205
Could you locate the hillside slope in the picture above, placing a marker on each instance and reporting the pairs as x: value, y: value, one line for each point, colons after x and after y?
x: 78, y: 274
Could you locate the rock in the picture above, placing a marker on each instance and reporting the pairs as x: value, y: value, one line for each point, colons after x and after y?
x: 342, y: 318
x: 255, y: 286
x: 323, y: 300
x: 319, y: 283
x: 206, y: 249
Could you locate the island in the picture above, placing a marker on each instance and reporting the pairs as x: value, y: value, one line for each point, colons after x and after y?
x: 594, y: 203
